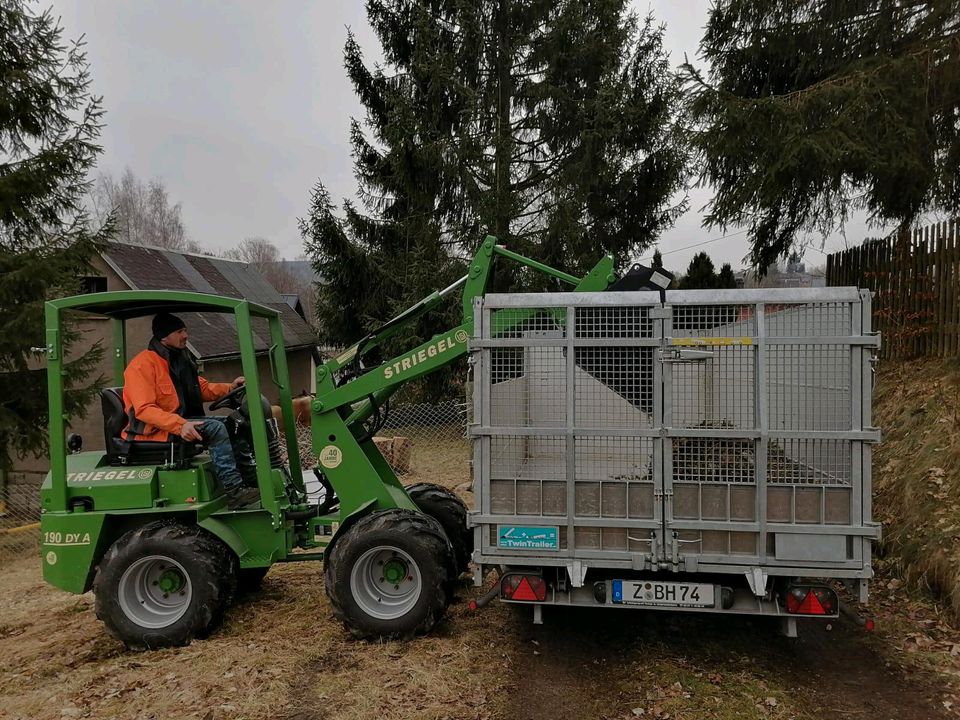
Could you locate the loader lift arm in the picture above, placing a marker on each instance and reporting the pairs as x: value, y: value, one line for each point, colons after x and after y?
x: 351, y: 461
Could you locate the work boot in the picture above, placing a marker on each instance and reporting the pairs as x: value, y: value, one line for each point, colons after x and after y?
x: 240, y: 496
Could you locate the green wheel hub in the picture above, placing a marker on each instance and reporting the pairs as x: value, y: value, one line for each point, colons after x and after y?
x: 170, y: 580
x: 394, y: 570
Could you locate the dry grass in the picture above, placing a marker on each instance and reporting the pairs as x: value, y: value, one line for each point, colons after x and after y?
x: 685, y: 690
x: 279, y: 654
x: 917, y: 473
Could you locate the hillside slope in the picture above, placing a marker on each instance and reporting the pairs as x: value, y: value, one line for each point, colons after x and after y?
x: 917, y: 473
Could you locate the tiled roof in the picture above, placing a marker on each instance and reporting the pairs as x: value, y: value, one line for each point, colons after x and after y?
x: 211, y: 334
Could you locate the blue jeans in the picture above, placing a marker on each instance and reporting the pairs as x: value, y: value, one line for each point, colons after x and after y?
x: 217, y: 440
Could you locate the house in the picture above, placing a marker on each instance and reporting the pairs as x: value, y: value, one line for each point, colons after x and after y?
x: 213, y: 338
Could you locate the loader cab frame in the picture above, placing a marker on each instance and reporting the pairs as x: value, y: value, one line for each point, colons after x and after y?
x: 121, y: 306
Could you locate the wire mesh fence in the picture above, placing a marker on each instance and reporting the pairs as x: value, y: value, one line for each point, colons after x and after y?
x: 422, y: 443
x: 20, y: 514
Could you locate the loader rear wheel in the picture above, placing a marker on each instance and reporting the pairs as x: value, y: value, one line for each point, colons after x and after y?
x: 446, y: 507
x: 164, y: 584
x: 389, y: 574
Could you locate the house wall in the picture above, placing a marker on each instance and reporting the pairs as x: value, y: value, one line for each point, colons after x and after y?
x: 23, y: 483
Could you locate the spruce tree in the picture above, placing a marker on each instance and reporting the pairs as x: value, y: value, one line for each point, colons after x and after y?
x: 549, y: 125
x: 700, y: 274
x: 815, y: 108
x: 657, y: 262
x: 49, y: 124
x: 726, y: 280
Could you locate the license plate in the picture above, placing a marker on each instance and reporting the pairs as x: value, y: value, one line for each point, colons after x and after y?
x: 668, y: 594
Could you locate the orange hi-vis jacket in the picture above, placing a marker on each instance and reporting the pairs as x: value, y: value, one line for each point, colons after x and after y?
x: 151, y: 399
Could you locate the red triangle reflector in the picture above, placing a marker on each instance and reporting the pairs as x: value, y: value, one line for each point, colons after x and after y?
x: 524, y: 591
x: 811, y: 605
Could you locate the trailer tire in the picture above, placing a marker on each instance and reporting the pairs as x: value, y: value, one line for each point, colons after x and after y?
x: 447, y: 508
x: 388, y: 576
x: 164, y: 584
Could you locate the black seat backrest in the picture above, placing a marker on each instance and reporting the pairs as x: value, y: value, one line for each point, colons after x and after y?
x: 140, y: 452
x: 114, y: 415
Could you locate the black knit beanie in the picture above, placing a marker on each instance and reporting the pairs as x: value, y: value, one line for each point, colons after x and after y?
x: 165, y: 323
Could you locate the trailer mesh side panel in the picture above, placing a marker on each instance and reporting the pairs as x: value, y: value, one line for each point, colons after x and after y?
x: 716, y: 428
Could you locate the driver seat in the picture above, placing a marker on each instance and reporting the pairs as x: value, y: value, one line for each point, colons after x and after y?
x: 121, y: 451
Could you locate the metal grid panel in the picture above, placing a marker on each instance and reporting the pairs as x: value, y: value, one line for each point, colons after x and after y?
x: 717, y: 392
x: 528, y: 475
x: 518, y: 322
x: 809, y: 387
x: 714, y: 460
x: 809, y: 462
x: 614, y: 477
x: 613, y: 387
x: 712, y: 320
x: 613, y: 322
x: 808, y: 319
x: 532, y: 387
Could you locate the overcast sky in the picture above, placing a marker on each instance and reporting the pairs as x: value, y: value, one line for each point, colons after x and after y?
x: 240, y: 107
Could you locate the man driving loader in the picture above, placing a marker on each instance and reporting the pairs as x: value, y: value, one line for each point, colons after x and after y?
x: 163, y: 395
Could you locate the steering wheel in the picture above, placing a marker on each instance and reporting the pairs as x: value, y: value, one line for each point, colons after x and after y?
x: 231, y: 400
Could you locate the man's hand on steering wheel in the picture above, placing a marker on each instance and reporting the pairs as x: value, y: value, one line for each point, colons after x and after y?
x: 238, y: 382
x: 231, y: 399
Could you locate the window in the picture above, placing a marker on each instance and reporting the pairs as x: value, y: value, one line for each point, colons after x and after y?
x: 92, y: 284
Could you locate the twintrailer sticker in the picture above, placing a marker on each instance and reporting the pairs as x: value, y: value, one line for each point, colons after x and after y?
x: 521, y: 537
x: 331, y: 456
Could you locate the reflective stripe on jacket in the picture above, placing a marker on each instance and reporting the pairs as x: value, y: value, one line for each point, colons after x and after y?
x: 151, y: 401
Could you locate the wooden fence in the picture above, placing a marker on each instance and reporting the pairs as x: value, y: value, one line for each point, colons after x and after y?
x: 916, y: 282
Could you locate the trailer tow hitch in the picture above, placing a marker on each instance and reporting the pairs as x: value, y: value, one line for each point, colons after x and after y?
x: 867, y: 623
x: 489, y: 595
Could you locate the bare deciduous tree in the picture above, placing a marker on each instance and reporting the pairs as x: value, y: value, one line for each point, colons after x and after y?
x: 143, y: 212
x: 264, y: 256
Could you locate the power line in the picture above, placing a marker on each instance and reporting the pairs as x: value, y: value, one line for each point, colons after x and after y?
x: 699, y: 244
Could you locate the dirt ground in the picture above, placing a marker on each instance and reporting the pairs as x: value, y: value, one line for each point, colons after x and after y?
x: 280, y: 654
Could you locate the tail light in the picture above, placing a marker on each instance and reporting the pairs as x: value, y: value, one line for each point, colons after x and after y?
x: 528, y: 588
x: 811, y: 600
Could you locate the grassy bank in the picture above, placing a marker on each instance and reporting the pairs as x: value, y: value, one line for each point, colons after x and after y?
x: 917, y: 473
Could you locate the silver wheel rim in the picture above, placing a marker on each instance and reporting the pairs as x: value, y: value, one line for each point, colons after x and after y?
x: 380, y: 588
x: 155, y: 592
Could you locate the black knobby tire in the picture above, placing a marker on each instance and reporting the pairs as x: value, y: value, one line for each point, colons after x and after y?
x: 420, y: 541
x: 450, y: 511
x: 205, y: 567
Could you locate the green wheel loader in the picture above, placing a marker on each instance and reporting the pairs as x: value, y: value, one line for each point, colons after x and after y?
x: 146, y: 525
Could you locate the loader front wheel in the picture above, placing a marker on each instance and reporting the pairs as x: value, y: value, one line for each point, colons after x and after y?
x: 164, y: 584
x: 388, y: 575
x: 446, y: 507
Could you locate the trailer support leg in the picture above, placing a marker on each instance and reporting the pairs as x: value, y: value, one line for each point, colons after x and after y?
x: 788, y: 626
x: 538, y: 614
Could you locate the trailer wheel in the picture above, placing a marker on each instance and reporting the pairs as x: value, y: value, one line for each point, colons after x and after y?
x: 446, y: 507
x: 164, y: 584
x: 388, y: 575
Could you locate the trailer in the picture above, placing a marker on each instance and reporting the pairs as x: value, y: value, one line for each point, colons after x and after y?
x: 694, y: 451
